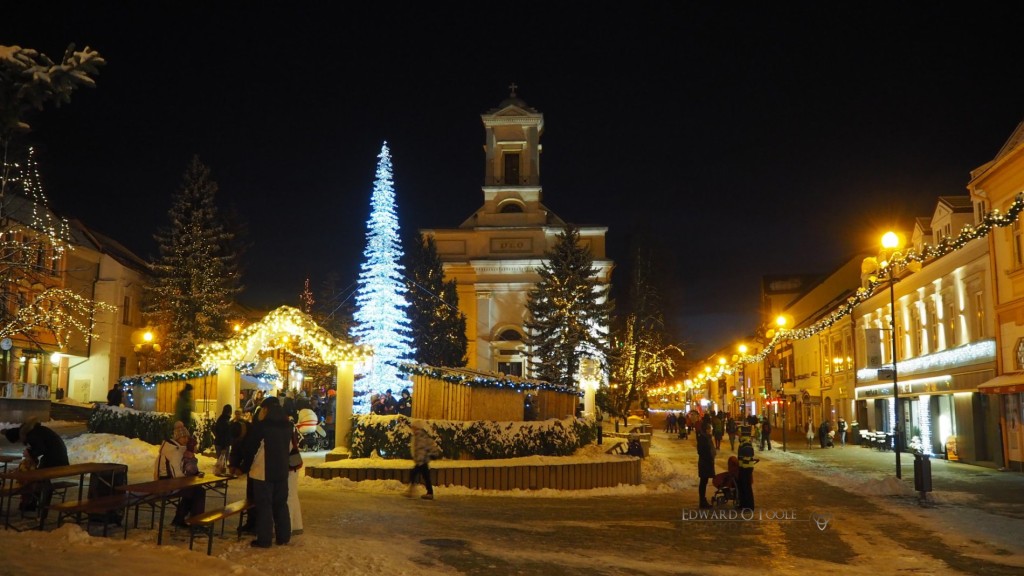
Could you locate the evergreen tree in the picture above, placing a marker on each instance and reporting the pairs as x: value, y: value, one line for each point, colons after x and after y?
x: 642, y: 355
x: 195, y: 276
x: 438, y: 327
x: 568, y: 312
x: 381, y: 319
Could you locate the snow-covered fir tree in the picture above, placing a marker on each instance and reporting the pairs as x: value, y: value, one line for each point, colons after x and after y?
x: 381, y: 319
x: 568, y: 312
x: 438, y: 327
x: 196, y: 276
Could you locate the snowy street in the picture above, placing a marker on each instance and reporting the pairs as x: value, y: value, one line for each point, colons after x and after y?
x: 871, y: 524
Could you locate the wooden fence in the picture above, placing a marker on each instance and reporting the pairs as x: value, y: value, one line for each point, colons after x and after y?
x: 164, y: 395
x: 570, y: 476
x: 442, y: 400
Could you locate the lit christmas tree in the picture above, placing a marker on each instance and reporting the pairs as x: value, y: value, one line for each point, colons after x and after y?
x: 381, y: 319
x: 196, y: 276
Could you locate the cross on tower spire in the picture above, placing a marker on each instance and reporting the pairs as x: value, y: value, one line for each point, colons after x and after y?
x: 513, y: 87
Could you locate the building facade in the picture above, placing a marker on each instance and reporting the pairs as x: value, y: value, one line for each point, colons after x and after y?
x: 493, y: 256
x: 995, y: 186
x: 944, y: 347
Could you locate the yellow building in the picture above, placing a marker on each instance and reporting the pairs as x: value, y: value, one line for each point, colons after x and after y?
x: 494, y: 254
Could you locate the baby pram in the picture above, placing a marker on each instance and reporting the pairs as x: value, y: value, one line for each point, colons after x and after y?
x: 725, y: 484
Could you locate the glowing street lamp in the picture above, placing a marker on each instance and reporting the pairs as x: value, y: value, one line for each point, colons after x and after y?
x: 891, y: 243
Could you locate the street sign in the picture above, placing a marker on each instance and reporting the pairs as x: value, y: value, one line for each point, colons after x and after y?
x: 873, y: 337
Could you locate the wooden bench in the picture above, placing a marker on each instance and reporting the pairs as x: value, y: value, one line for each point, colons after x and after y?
x: 96, y: 510
x: 617, y: 448
x: 205, y: 522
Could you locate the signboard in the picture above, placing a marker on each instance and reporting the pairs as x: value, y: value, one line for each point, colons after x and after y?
x: 873, y: 338
x: 886, y: 374
x: 776, y: 378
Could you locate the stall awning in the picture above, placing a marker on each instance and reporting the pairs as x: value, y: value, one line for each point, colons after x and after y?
x: 250, y: 382
x: 1004, y: 384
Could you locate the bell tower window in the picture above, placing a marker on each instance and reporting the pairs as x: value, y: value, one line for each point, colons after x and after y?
x: 511, y: 168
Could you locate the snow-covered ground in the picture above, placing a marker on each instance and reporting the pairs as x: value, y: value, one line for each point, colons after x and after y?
x: 327, y: 547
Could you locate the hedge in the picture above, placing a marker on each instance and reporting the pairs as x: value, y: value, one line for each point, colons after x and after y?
x: 151, y: 427
x: 390, y: 437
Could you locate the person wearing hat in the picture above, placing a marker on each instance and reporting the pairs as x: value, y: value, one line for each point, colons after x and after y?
x: 175, y: 459
x: 44, y: 448
x: 268, y: 470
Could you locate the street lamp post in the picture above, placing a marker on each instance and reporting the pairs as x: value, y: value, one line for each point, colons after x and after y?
x: 743, y: 382
x: 890, y: 241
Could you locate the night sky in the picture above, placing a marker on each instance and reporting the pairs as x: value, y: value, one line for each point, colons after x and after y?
x: 746, y: 140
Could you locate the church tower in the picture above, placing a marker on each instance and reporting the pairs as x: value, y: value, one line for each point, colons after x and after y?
x: 494, y: 254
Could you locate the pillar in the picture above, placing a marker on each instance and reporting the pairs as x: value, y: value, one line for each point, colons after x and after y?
x: 227, y: 386
x: 343, y: 412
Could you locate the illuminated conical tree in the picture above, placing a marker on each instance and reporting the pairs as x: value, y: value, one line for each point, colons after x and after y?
x: 381, y: 319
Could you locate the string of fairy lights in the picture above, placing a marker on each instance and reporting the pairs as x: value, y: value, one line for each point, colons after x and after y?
x: 480, y: 381
x: 896, y: 262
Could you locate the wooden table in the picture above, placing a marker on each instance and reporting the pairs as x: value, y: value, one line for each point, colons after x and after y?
x: 6, y: 459
x: 52, y: 473
x: 168, y: 489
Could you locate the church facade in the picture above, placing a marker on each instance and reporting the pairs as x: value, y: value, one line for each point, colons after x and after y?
x: 493, y: 256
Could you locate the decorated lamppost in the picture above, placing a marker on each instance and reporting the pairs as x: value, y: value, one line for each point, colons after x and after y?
x: 742, y: 348
x: 890, y: 243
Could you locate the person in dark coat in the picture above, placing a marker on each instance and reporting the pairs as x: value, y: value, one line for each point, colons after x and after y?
x: 823, y: 433
x: 268, y: 470
x: 405, y: 404
x: 45, y: 449
x: 183, y: 406
x: 115, y: 396
x: 222, y: 434
x: 705, y: 461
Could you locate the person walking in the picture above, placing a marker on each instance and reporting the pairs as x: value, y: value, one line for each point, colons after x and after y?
x: 842, y: 432
x: 424, y: 449
x: 766, y: 433
x: 705, y: 462
x: 730, y: 429
x: 264, y: 457
x: 718, y: 429
x: 183, y: 406
x: 809, y: 431
x: 745, y: 481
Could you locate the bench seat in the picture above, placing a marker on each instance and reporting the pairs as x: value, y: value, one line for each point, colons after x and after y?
x: 205, y: 521
x: 96, y: 510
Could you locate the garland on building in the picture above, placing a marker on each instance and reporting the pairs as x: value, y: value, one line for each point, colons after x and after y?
x: 480, y: 381
x: 899, y: 260
x: 151, y: 380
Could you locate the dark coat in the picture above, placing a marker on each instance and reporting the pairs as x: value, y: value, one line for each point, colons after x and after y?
x: 272, y: 464
x: 222, y: 431
x: 705, y: 456
x: 44, y: 445
x: 115, y: 396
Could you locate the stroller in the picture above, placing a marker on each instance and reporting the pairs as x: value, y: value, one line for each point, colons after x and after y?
x: 312, y: 435
x: 726, y: 490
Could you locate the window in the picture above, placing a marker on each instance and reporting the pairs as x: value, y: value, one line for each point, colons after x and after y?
x: 933, y: 328
x: 122, y: 367
x: 511, y: 368
x: 510, y: 335
x: 1018, y: 247
x: 951, y: 321
x: 512, y: 208
x: 126, y: 311
x: 979, y: 316
x: 511, y: 168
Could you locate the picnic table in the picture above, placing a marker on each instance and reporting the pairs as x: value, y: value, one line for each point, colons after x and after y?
x: 168, y: 490
x: 52, y: 473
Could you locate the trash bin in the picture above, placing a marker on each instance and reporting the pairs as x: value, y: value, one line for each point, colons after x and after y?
x: 922, y: 473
